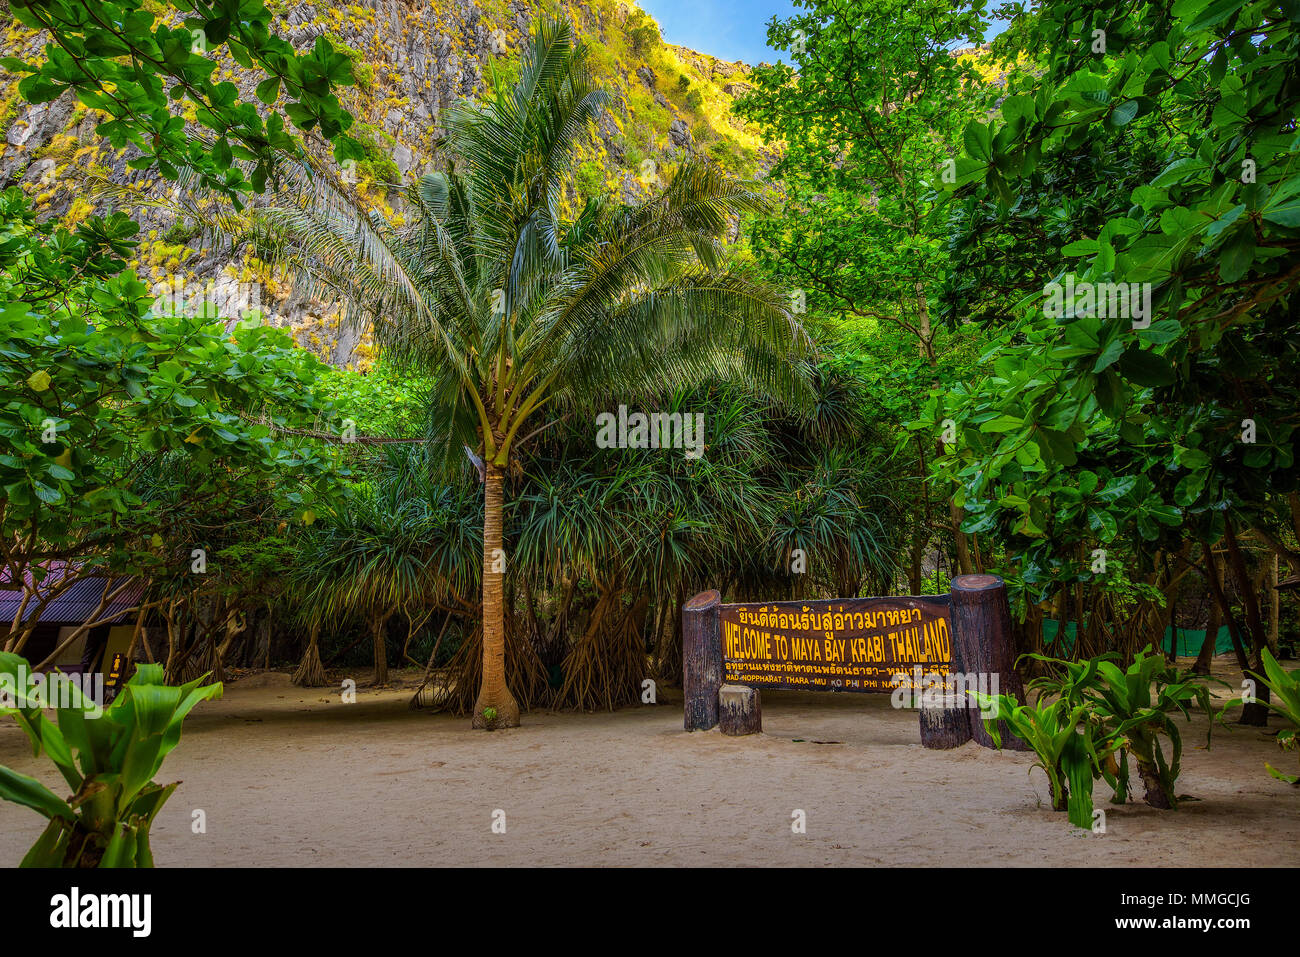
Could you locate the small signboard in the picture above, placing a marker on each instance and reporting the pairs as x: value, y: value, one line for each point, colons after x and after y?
x: 848, y: 644
x: 114, y: 673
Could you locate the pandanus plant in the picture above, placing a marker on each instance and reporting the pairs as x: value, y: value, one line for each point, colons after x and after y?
x: 108, y: 760
x: 518, y: 309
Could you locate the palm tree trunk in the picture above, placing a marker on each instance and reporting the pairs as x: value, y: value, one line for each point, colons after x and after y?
x: 493, y: 693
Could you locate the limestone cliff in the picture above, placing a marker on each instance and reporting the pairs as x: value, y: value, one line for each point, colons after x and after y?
x: 412, y: 60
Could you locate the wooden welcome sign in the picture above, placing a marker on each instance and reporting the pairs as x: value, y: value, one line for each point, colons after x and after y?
x: 865, y: 645
x: 851, y: 644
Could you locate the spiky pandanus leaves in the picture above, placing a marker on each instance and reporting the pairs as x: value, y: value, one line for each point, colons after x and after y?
x: 398, y: 545
x: 519, y: 312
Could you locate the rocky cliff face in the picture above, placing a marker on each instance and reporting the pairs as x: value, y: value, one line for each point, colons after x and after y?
x: 412, y: 60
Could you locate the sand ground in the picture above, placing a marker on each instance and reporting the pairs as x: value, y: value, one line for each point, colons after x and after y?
x: 294, y: 777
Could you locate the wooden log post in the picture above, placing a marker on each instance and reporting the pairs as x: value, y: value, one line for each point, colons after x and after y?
x: 981, y: 629
x: 702, y: 659
x: 948, y: 725
x: 740, y: 710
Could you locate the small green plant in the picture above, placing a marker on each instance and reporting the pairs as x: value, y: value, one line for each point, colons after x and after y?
x: 180, y: 233
x: 108, y: 760
x: 1285, y: 700
x: 1059, y: 734
x: 1089, y: 716
x: 489, y: 718
x: 644, y: 35
x: 1136, y: 708
x: 1128, y: 712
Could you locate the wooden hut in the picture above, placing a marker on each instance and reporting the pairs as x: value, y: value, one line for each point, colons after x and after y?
x: 73, y: 607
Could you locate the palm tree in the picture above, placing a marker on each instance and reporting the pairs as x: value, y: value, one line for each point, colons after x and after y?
x: 522, y: 311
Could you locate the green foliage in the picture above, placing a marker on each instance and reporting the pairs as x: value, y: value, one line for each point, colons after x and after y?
x: 517, y: 312
x: 179, y: 233
x: 1166, y: 156
x: 1285, y: 688
x: 400, y: 543
x: 866, y: 114
x: 642, y: 34
x: 117, y: 58
x: 1126, y: 712
x: 587, y: 522
x: 1057, y: 733
x: 1136, y: 707
x: 385, y: 400
x: 492, y: 297
x: 117, y: 422
x: 589, y: 178
x: 377, y: 156
x: 109, y: 761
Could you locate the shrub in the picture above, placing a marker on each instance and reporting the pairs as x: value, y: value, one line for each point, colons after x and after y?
x: 1285, y: 688
x: 114, y: 801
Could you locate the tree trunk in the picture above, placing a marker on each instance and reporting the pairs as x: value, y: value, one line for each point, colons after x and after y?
x: 381, y: 648
x: 1274, y: 613
x: 311, y: 673
x: 1255, y: 713
x: 956, y: 516
x: 1216, y: 586
x: 1202, y: 666
x: 493, y: 692
x: 740, y: 710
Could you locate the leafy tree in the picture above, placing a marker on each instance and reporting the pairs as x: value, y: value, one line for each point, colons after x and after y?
x: 1149, y: 151
x: 388, y: 548
x: 868, y: 114
x: 123, y: 431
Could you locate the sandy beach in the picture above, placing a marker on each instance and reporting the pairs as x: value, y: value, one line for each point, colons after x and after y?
x: 293, y: 777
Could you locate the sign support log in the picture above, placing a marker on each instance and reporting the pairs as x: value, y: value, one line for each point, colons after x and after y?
x: 702, y: 659
x: 981, y: 626
x: 948, y: 724
x: 740, y: 710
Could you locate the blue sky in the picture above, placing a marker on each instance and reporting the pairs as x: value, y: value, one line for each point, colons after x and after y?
x: 730, y: 29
